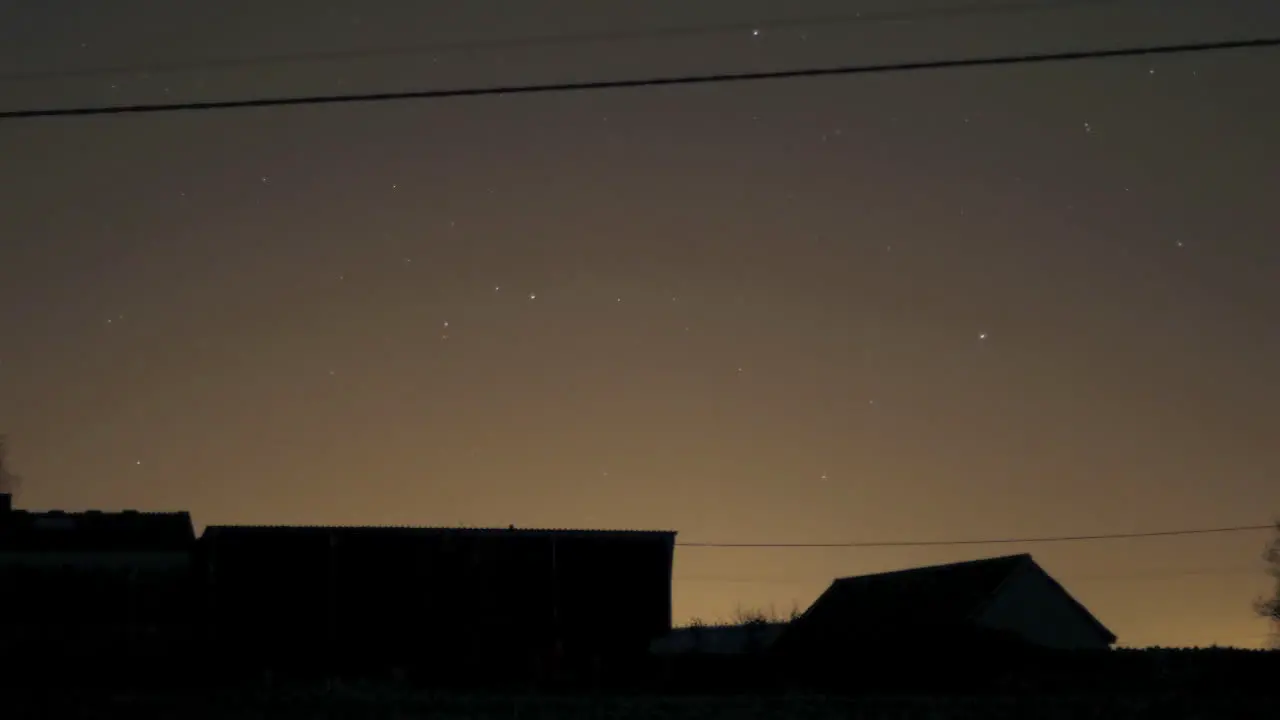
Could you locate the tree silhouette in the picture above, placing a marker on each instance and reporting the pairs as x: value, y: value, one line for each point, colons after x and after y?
x: 9, y: 482
x: 1269, y: 608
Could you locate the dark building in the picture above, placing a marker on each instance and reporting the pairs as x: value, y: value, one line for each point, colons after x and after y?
x: 1005, y: 595
x: 517, y: 600
x: 94, y: 584
x: 954, y: 617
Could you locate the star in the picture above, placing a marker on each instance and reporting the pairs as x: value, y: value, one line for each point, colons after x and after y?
x: 533, y: 296
x: 982, y: 336
x: 755, y: 33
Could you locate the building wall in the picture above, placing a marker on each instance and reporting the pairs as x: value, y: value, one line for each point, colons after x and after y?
x: 266, y: 594
x: 409, y: 596
x: 1031, y: 605
x: 140, y: 560
x: 71, y: 605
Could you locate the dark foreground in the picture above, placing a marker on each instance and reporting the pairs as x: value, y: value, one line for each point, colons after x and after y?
x: 387, y: 703
x: 906, y: 684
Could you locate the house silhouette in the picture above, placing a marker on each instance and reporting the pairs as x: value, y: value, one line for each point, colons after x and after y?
x: 1009, y: 596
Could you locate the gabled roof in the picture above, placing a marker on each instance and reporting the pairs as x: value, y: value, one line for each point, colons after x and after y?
x: 93, y: 531
x: 918, y: 601
x: 936, y: 594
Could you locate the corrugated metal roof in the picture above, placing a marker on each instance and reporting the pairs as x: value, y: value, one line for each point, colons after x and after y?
x: 437, y: 530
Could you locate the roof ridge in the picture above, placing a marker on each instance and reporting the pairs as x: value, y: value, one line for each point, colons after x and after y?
x: 937, y: 566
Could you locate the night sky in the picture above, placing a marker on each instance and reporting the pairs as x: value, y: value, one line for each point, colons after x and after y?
x: 973, y: 303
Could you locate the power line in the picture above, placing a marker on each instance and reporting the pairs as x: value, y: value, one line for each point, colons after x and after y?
x: 998, y: 541
x: 562, y: 40
x: 645, y: 82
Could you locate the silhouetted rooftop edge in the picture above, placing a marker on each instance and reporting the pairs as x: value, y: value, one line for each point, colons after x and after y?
x: 947, y: 594
x: 998, y: 560
x: 439, y: 529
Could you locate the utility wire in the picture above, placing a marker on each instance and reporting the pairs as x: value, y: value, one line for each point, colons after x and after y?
x: 563, y: 40
x: 997, y: 541
x: 646, y: 82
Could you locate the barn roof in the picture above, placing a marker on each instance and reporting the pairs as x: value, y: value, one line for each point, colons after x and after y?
x: 946, y: 593
x: 919, y: 600
x: 95, y: 531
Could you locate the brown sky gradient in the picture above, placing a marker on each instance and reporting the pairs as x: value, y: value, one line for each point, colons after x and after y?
x: 1019, y: 301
